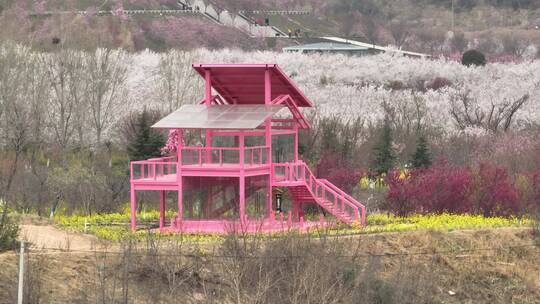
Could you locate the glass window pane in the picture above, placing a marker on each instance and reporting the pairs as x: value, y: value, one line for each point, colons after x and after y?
x: 218, y: 117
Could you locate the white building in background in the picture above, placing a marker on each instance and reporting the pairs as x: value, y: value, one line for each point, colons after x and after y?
x: 330, y: 47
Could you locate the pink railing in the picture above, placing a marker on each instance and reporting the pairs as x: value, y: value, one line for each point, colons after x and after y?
x: 256, y: 155
x: 163, y: 159
x: 322, y: 190
x: 351, y: 199
x: 224, y: 156
x: 153, y: 169
x: 165, y: 167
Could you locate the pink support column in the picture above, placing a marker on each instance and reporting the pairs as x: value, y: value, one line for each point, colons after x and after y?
x: 363, y: 217
x: 268, y: 134
x: 295, y: 142
x: 208, y: 99
x: 133, y: 209
x: 241, y: 145
x: 179, y: 178
x: 270, y: 208
x: 208, y: 146
x: 242, y: 193
x: 161, y: 209
x: 180, y: 203
x: 179, y: 148
x: 296, y: 209
x: 208, y: 87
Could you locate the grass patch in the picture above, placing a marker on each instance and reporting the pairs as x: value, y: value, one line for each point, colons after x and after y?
x: 115, y: 226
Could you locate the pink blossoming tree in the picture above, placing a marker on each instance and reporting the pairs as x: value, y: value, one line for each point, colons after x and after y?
x: 172, y: 142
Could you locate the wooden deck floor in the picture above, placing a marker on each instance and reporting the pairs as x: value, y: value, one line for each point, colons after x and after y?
x: 171, y: 179
x: 252, y: 226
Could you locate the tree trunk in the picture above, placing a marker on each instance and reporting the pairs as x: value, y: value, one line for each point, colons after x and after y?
x: 8, y: 188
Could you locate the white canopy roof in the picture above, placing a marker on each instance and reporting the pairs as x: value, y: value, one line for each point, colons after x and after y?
x: 218, y: 117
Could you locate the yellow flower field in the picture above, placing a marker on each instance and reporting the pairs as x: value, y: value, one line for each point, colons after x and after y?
x: 115, y: 226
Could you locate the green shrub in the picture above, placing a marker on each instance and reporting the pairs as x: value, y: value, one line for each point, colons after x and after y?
x: 473, y: 57
x: 8, y: 235
x: 143, y: 141
x: 421, y: 157
x: 384, y: 157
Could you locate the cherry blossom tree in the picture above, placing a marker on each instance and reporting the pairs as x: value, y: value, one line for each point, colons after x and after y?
x: 497, y: 97
x: 171, y: 145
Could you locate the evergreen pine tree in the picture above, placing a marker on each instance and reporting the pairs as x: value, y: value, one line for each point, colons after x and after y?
x: 384, y: 156
x: 147, y: 143
x: 421, y: 157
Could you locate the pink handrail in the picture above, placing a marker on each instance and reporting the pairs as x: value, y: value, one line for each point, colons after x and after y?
x: 251, y: 151
x: 211, y: 148
x: 340, y: 200
x: 338, y: 193
x: 252, y: 155
x: 343, y: 193
x: 163, y: 159
x: 168, y: 159
x: 349, y: 198
x: 222, y: 148
x: 152, y: 173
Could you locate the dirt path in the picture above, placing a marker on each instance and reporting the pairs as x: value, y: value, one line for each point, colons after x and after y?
x: 50, y: 237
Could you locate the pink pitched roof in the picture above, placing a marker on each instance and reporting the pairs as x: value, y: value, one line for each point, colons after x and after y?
x: 244, y: 83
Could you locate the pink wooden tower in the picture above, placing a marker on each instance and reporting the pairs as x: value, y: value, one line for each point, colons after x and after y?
x: 234, y: 147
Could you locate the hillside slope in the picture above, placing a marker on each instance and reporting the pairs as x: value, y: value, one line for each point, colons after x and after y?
x: 473, y: 266
x: 495, y: 27
x: 79, y: 25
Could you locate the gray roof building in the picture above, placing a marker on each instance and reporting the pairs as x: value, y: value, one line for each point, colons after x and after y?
x: 329, y: 47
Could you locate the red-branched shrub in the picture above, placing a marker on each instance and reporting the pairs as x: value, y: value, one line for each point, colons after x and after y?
x: 443, y: 188
x: 493, y: 192
x: 488, y: 190
x: 439, y: 188
x: 400, y: 198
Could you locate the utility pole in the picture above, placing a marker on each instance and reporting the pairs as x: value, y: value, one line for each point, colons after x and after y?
x: 21, y: 275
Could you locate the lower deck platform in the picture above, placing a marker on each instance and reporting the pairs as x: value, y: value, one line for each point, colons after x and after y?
x: 250, y: 226
x: 245, y: 200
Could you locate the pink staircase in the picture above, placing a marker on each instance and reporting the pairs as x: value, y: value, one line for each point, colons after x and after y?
x: 306, y: 188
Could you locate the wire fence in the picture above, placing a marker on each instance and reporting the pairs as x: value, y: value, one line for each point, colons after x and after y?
x: 43, y: 250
